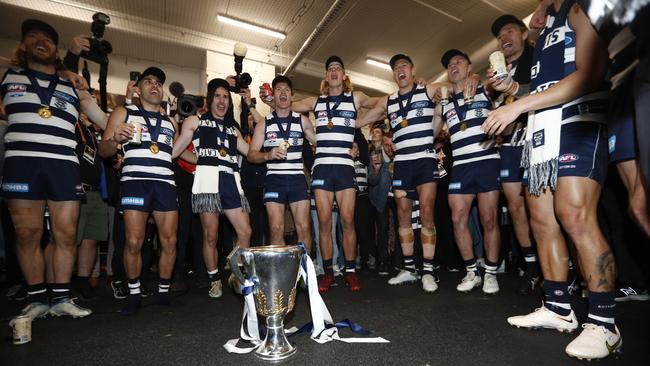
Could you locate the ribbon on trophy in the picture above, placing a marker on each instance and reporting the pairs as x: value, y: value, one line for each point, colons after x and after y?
x: 323, y: 329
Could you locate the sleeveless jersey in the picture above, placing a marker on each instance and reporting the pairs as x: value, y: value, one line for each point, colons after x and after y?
x: 28, y: 134
x: 413, y: 138
x: 335, y: 129
x: 468, y: 141
x: 139, y: 162
x: 291, y: 132
x: 211, y: 136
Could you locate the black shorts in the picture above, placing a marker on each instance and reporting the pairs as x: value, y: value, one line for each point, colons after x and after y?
x: 148, y: 196
x: 410, y: 174
x: 28, y: 178
x: 285, y: 188
x: 333, y: 178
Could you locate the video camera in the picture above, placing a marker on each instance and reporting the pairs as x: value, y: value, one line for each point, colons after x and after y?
x: 99, y: 47
x: 242, y: 80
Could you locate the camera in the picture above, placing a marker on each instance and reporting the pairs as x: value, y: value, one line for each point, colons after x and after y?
x: 188, y: 104
x: 242, y: 81
x: 99, y: 47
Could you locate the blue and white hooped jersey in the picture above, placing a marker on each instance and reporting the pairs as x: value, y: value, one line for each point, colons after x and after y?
x: 28, y: 134
x: 334, y: 141
x: 139, y: 162
x: 273, y: 137
x: 414, y: 139
x: 469, y: 143
x: 556, y: 46
x: 210, y: 137
x: 361, y: 176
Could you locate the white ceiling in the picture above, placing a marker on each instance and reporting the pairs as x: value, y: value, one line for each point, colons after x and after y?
x: 176, y: 31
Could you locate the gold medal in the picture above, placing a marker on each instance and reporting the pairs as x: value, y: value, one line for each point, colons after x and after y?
x: 223, y: 152
x: 285, y: 145
x: 44, y: 112
x: 463, y: 126
x: 330, y: 124
x: 404, y: 123
x: 154, y: 148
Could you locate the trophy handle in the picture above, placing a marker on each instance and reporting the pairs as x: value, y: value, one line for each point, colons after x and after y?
x: 234, y: 266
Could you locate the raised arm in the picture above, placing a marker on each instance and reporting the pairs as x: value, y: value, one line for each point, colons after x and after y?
x: 242, y: 146
x: 188, y: 127
x: 116, y: 132
x: 591, y: 65
x: 308, y: 128
x: 304, y: 105
x: 91, y: 109
x: 375, y: 114
x: 361, y: 100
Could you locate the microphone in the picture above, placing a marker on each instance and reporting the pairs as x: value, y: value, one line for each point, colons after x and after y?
x: 239, y: 53
x: 176, y: 89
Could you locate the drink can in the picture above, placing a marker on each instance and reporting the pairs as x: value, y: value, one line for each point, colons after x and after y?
x: 498, y: 64
x: 137, y: 134
x: 22, y: 329
x: 269, y: 91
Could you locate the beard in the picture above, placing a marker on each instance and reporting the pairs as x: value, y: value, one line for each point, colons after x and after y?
x: 40, y: 59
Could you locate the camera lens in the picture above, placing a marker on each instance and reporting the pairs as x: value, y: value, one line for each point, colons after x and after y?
x: 245, y: 80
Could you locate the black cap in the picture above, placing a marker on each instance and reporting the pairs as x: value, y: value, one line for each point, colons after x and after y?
x: 451, y: 53
x: 504, y: 20
x: 154, y: 71
x: 35, y: 24
x: 218, y: 83
x: 399, y: 56
x: 333, y: 59
x: 282, y: 79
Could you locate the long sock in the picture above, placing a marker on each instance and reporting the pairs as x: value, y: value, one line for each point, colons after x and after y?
x: 329, y: 269
x: 60, y: 292
x: 532, y: 265
x: 134, y: 298
x: 557, y: 297
x: 350, y: 266
x: 427, y: 266
x: 164, y: 296
x: 601, y: 309
x: 470, y: 266
x: 409, y: 263
x: 490, y: 267
x: 214, y: 275
x: 37, y: 293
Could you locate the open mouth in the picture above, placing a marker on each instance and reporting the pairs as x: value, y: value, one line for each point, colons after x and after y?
x: 401, y: 76
x: 41, y: 48
x: 506, y: 45
x: 283, y: 98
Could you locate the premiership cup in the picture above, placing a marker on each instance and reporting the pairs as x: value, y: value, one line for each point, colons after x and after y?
x: 274, y: 272
x: 498, y: 64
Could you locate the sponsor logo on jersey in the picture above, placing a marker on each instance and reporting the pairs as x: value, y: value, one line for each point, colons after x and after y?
x: 322, y: 114
x: 271, y: 135
x: 568, y: 158
x: 16, y: 88
x: 420, y: 104
x: 63, y: 96
x: 346, y: 114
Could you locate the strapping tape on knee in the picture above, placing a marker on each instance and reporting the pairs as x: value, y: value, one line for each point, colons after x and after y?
x: 429, y: 231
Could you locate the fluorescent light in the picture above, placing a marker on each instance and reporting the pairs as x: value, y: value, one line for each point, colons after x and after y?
x: 254, y: 28
x: 379, y: 64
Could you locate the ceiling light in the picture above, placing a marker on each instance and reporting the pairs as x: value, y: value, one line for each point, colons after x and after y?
x: 255, y: 28
x: 379, y: 64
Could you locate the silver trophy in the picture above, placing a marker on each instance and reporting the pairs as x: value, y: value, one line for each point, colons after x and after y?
x: 274, y: 271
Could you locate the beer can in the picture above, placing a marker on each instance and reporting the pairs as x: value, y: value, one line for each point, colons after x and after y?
x: 269, y: 92
x: 137, y: 134
x: 22, y: 329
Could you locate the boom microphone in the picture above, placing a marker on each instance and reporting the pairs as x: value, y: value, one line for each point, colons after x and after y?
x: 176, y: 89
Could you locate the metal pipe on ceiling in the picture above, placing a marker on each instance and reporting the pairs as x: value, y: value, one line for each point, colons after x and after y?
x: 322, y: 26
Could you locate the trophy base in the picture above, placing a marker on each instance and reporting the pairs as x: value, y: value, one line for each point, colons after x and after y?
x: 273, y: 354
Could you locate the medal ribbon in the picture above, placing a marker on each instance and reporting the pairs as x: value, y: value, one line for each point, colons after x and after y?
x: 279, y: 121
x: 402, y: 111
x: 44, y: 94
x: 329, y: 111
x: 461, y: 112
x: 83, y: 137
x: 153, y: 133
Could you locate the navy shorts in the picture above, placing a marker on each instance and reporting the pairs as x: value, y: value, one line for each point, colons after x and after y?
x: 148, y: 196
x: 28, y: 178
x: 477, y: 177
x: 583, y: 151
x: 511, y: 170
x: 333, y: 177
x: 410, y: 174
x: 228, y: 193
x: 620, y: 121
x: 285, y: 188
